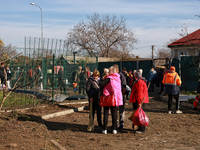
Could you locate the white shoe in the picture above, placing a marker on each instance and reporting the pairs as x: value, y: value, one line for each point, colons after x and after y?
x: 178, y: 112
x: 104, y: 131
x: 114, y: 131
x: 169, y: 112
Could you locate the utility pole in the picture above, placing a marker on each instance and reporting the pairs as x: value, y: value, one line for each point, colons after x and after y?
x: 153, y: 54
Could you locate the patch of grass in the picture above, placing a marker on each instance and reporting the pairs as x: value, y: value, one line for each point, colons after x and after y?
x: 189, y: 92
x: 18, y: 100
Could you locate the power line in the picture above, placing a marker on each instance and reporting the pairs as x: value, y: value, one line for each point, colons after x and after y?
x: 143, y: 46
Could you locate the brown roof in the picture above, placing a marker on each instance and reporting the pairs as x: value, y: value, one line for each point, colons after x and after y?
x: 191, y: 39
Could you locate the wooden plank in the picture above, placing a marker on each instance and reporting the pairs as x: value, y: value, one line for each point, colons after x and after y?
x: 60, y: 147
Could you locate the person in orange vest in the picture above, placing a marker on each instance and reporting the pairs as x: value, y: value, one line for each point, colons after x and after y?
x: 197, y: 99
x: 172, y: 81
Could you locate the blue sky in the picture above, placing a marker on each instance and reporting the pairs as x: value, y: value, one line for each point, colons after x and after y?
x: 155, y: 22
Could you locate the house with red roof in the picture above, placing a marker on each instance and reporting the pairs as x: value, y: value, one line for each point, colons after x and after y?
x: 187, y: 46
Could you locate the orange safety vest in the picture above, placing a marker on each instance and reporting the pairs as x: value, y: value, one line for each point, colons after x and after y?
x: 171, y: 81
x: 171, y: 78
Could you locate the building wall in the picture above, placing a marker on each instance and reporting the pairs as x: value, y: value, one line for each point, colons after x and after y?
x: 184, y: 51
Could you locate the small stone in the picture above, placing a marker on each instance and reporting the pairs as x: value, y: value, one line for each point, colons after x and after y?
x: 12, y: 145
x: 164, y: 142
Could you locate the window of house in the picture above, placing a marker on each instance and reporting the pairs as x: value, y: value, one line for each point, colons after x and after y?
x: 183, y: 53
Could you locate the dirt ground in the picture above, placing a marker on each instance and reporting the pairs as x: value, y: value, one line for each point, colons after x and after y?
x: 27, y: 131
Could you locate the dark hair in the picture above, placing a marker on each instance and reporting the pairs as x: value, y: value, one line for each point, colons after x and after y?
x: 130, y: 70
x: 96, y: 73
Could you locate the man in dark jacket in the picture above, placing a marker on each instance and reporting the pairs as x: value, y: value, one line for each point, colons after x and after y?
x: 3, y: 75
x: 61, y: 79
x: 38, y: 76
x: 82, y: 81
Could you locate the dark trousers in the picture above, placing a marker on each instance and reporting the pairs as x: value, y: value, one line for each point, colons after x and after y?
x: 114, y: 117
x: 96, y: 108
x: 176, y: 97
x: 62, y: 85
x: 3, y: 79
x: 140, y: 128
x: 81, y: 87
x: 151, y: 87
x: 122, y: 113
x: 162, y: 87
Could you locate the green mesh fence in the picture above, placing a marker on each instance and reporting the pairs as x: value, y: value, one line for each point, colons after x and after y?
x: 129, y: 65
x: 189, y: 69
x: 35, y: 81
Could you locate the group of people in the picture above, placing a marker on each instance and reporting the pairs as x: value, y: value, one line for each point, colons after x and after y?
x: 80, y: 77
x: 113, y: 82
x: 5, y: 75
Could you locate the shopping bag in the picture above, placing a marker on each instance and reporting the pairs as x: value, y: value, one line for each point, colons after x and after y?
x: 140, y: 118
x: 131, y: 117
x: 74, y: 84
x: 107, y: 101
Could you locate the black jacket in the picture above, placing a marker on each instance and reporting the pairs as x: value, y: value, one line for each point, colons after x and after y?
x: 198, y: 87
x: 92, y: 89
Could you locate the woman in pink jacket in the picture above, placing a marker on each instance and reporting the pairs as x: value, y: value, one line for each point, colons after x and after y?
x: 112, y: 86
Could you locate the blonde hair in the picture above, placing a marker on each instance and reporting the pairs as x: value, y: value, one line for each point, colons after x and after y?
x: 106, y: 70
x: 112, y: 69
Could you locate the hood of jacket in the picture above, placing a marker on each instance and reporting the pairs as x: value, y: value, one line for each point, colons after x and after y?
x: 114, y: 76
x: 93, y: 78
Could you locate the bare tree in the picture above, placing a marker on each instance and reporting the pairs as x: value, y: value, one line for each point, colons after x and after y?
x: 6, y: 52
x: 165, y: 51
x: 102, y: 35
x: 184, y: 30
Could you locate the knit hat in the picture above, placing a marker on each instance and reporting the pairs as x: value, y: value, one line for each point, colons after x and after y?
x: 172, y: 68
x: 137, y: 74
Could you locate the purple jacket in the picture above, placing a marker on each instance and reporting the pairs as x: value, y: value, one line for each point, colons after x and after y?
x: 114, y: 87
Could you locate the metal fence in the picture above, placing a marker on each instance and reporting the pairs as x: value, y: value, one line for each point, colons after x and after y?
x: 145, y: 65
x: 36, y: 75
x: 34, y: 81
x: 189, y: 69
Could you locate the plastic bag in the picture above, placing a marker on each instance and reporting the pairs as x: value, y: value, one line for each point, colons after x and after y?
x: 140, y: 118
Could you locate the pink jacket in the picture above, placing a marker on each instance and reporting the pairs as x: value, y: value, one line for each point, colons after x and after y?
x: 114, y: 87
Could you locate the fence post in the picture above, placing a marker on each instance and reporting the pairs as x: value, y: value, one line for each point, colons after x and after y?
x: 43, y: 73
x: 97, y: 62
x: 65, y: 70
x: 53, y: 79
x: 137, y: 65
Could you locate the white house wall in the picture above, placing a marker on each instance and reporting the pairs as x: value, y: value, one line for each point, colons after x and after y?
x: 185, y: 51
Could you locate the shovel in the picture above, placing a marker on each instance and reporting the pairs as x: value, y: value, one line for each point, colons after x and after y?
x: 91, y: 121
